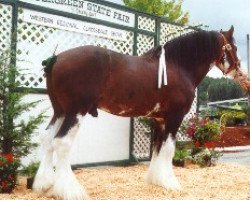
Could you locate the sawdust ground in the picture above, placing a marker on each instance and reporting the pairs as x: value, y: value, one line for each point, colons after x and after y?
x: 221, y: 182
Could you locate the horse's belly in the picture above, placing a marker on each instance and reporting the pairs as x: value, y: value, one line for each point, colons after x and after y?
x: 132, y: 110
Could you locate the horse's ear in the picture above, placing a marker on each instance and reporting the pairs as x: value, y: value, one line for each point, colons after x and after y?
x: 231, y: 30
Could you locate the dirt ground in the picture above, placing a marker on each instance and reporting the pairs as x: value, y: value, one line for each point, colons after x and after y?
x: 222, y: 182
x: 235, y: 136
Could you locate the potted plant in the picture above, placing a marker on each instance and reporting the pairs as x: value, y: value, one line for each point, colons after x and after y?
x: 30, y: 172
x: 203, y: 133
x: 181, y: 156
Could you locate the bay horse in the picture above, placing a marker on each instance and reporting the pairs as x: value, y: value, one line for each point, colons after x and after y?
x: 87, y: 78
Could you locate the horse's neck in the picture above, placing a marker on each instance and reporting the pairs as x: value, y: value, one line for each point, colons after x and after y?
x: 194, y: 53
x: 199, y: 73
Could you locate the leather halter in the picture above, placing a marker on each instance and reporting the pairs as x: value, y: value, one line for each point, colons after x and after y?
x: 227, y: 48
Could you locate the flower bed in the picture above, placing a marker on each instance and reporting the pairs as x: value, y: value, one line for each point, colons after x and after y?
x: 234, y: 136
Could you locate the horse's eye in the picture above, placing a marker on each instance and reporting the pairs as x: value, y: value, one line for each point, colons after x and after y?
x: 228, y: 47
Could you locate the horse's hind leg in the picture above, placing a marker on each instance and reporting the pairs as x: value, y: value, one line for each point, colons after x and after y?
x: 160, y: 170
x: 45, y: 175
x: 66, y: 186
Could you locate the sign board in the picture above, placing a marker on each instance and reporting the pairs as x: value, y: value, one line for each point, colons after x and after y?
x: 72, y: 25
x: 88, y: 9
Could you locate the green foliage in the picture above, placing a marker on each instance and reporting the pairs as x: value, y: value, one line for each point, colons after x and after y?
x: 8, y: 172
x: 205, y: 157
x: 210, y: 112
x: 217, y: 89
x: 182, y: 154
x: 171, y: 10
x: 246, y: 110
x: 232, y: 118
x: 202, y: 90
x: 15, y: 135
x: 208, y: 132
x: 203, y: 132
x: 30, y: 170
x: 223, y: 89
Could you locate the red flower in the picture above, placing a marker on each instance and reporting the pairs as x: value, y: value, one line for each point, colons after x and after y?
x: 204, y: 121
x: 209, y: 145
x: 197, y: 144
x: 10, y: 177
x: 9, y: 157
x: 191, y: 130
x: 4, y: 184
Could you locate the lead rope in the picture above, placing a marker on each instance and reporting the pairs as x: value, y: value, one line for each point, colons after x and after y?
x: 162, y: 69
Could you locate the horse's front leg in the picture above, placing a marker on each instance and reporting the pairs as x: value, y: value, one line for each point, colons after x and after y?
x: 161, y: 169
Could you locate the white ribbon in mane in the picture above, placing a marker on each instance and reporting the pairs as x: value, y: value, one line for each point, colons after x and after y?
x: 162, y: 70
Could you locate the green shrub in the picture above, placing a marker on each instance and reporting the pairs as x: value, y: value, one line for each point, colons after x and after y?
x: 30, y: 170
x: 15, y: 138
x: 182, y: 154
x: 232, y: 118
x: 208, y: 132
x: 205, y: 157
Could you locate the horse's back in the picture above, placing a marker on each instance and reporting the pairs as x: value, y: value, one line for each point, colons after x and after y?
x: 78, y: 76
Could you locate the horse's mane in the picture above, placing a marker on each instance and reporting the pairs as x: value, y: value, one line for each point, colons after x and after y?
x: 190, y: 49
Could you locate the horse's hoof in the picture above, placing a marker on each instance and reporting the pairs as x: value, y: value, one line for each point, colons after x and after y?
x: 172, y: 184
x: 168, y: 182
x: 41, y: 186
x: 68, y: 190
x: 76, y: 195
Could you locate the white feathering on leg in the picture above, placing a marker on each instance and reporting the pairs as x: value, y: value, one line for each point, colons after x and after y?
x: 66, y: 186
x: 44, y: 178
x: 161, y: 170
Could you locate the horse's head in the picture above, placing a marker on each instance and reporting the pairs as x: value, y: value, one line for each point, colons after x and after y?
x: 228, y: 60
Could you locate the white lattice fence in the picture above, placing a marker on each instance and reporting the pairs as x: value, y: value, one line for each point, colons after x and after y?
x: 170, y: 31
x: 5, y: 42
x: 142, y: 140
x: 146, y: 23
x: 5, y: 26
x: 144, y: 43
x: 37, y: 42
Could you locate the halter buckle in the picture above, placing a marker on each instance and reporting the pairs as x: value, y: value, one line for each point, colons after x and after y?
x: 227, y: 47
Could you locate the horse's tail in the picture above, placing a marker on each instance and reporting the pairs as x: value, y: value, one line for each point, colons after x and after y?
x: 48, y: 64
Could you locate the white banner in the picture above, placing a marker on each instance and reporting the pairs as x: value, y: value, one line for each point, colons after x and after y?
x: 72, y: 25
x: 88, y: 9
